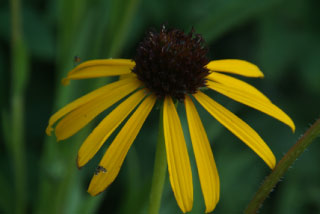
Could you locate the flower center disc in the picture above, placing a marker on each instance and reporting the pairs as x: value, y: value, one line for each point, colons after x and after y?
x: 172, y: 63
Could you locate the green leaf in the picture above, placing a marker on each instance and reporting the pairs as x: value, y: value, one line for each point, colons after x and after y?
x: 229, y: 14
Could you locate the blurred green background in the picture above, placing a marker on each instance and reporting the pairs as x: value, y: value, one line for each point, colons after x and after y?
x: 39, y: 175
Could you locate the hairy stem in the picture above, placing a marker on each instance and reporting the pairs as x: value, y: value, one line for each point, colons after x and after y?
x: 270, y: 182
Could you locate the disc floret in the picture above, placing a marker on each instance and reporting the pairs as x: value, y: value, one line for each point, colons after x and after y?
x: 171, y: 62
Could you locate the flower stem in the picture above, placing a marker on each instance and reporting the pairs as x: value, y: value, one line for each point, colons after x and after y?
x: 159, y: 171
x: 269, y: 183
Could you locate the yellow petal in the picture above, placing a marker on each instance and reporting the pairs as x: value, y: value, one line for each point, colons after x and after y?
x: 235, y: 66
x: 237, y: 84
x: 238, y: 127
x: 116, y: 153
x: 207, y: 170
x: 124, y: 76
x: 177, y: 157
x: 78, y: 118
x: 253, y: 101
x: 100, y: 68
x: 105, y: 128
x: 87, y: 98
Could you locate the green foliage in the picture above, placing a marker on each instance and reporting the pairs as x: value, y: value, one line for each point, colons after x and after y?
x: 280, y: 36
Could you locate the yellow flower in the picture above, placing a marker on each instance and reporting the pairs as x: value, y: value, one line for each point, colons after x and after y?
x: 169, y: 65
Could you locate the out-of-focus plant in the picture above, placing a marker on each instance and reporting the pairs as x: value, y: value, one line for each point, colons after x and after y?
x: 38, y: 44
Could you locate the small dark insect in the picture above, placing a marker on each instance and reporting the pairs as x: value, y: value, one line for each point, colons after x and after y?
x: 100, y: 169
x: 76, y: 60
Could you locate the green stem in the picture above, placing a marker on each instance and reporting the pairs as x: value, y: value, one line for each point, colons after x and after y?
x: 159, y: 171
x: 16, y: 144
x: 270, y: 182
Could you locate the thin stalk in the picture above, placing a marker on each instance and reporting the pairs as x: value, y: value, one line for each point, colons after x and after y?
x: 16, y: 146
x: 159, y: 171
x: 121, y: 31
x: 270, y: 182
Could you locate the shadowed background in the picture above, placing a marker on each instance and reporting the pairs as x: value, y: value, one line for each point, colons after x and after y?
x: 39, y: 175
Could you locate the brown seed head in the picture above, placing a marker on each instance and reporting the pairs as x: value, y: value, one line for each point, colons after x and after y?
x: 171, y: 62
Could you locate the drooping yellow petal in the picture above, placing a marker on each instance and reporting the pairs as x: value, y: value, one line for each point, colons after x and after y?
x: 116, y: 153
x: 78, y: 118
x: 100, y: 68
x: 207, y: 170
x: 237, y: 84
x: 124, y: 76
x: 87, y: 98
x: 253, y: 101
x: 238, y: 127
x: 235, y: 66
x: 177, y: 157
x: 105, y: 128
